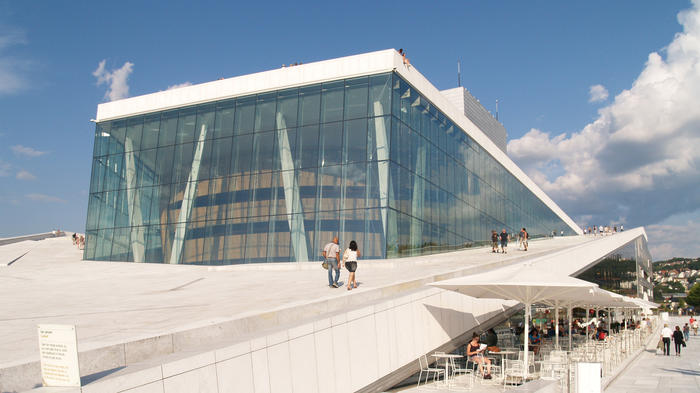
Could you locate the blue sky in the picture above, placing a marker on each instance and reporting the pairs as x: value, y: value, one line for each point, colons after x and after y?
x: 540, y: 59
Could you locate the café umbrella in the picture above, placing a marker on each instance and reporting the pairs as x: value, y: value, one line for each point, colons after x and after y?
x: 520, y: 284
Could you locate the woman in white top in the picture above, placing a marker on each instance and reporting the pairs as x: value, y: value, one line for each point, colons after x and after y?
x: 350, y: 259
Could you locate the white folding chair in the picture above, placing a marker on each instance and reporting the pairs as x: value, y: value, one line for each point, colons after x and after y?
x: 425, y: 368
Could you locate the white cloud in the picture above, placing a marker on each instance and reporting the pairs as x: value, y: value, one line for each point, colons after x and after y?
x: 26, y: 151
x: 11, y: 79
x: 185, y: 84
x: 598, y: 93
x: 24, y: 175
x: 639, y: 161
x: 45, y: 198
x: 117, y: 79
x: 664, y: 237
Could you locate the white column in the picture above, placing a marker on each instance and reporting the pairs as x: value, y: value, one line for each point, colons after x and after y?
x: 138, y: 244
x: 382, y: 145
x: 556, y: 324
x: 570, y: 317
x: 188, y: 200
x: 417, y: 201
x: 526, y: 335
x: 292, y: 199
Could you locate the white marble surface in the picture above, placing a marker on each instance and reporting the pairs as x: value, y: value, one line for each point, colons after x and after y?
x: 116, y: 302
x: 650, y: 373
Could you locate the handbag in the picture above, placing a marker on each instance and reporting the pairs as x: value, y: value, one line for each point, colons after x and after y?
x: 324, y: 265
x: 683, y: 343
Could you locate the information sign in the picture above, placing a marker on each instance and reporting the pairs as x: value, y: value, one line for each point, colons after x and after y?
x: 58, y: 350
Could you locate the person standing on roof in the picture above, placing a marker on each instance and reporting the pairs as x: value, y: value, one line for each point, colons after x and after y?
x: 504, y: 241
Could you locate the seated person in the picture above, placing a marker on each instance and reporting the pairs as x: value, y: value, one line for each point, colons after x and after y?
x: 600, y: 334
x: 475, y: 353
x: 491, y: 341
x: 535, y: 341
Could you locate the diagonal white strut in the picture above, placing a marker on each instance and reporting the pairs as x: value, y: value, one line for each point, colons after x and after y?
x: 188, y: 200
x: 292, y: 199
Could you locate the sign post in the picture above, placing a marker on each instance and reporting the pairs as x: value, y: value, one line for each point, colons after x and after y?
x: 58, y: 350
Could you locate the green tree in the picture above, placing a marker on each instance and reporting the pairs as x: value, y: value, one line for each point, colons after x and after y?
x: 694, y: 296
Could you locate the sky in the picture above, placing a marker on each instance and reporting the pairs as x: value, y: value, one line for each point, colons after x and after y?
x: 600, y: 98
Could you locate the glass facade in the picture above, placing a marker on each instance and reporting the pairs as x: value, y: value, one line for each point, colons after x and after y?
x: 273, y: 177
x: 626, y: 271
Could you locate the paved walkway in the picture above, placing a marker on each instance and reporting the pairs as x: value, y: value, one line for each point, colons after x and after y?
x: 663, y: 374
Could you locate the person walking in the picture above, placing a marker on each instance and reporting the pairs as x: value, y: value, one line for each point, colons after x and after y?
x: 494, y: 241
x: 678, y: 340
x: 526, y: 236
x: 350, y: 256
x: 666, y: 334
x: 686, y: 332
x: 331, y: 254
x: 504, y: 241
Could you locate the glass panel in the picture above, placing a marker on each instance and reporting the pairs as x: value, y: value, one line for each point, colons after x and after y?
x: 330, y: 182
x: 185, y: 126
x: 234, y: 251
x: 168, y: 129
x: 151, y: 126
x: 287, y: 107
x: 309, y: 105
x: 355, y: 140
x: 307, y: 147
x: 379, y: 95
x: 332, y: 102
x: 356, y: 91
x: 133, y: 134
x: 205, y: 117
x: 354, y: 186
x: 242, y: 154
x: 220, y: 157
x: 256, y: 239
x: 308, y: 185
x: 265, y: 112
x: 223, y: 125
x: 264, y: 151
x: 182, y: 162
x: 118, y: 134
x: 244, y: 120
x: 102, y: 137
x: 332, y: 144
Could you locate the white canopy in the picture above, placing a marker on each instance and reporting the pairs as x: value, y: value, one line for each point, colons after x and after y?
x: 519, y: 283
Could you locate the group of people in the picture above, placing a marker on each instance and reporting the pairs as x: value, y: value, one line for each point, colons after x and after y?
x: 602, y: 230
x: 333, y: 261
x: 502, y: 240
x: 79, y: 241
x: 678, y: 337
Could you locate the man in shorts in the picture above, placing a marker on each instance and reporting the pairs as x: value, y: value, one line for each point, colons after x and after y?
x: 524, y: 238
x: 504, y: 241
